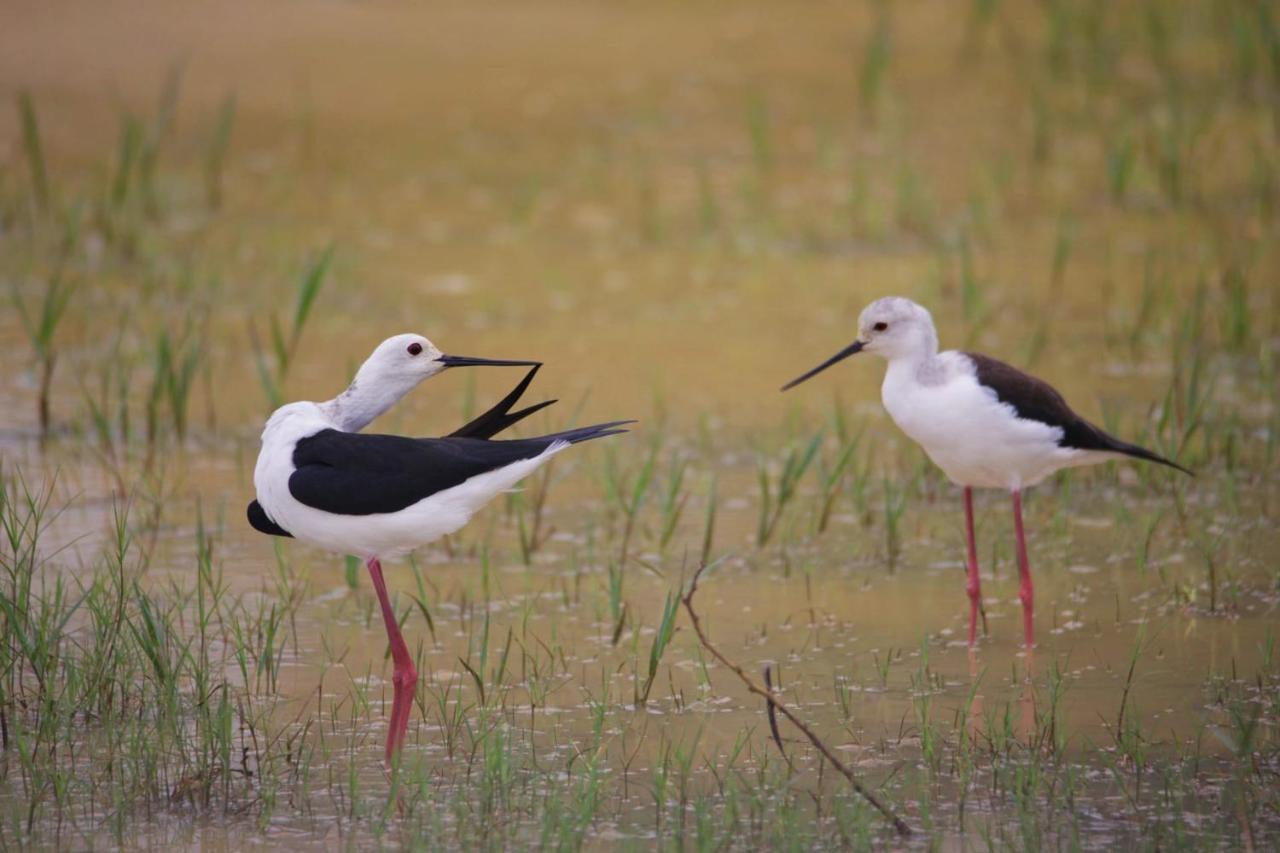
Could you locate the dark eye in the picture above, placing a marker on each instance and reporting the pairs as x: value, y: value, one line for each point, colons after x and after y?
x: 880, y: 327
x: 415, y: 348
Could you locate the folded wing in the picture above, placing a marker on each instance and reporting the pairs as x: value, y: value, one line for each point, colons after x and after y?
x: 357, y: 474
x: 1036, y: 400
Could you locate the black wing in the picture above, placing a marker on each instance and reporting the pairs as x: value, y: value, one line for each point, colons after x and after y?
x: 355, y: 474
x: 1036, y: 400
x: 262, y: 522
x: 500, y: 417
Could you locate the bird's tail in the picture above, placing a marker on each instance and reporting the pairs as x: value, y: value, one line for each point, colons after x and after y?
x: 1137, y: 452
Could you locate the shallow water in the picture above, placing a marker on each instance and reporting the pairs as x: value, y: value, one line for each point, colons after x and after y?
x: 678, y: 209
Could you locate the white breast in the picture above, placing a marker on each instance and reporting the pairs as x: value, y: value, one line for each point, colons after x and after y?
x: 974, y: 438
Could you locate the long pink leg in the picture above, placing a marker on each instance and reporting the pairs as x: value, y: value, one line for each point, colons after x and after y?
x: 974, y: 587
x: 1026, y: 593
x: 405, y: 678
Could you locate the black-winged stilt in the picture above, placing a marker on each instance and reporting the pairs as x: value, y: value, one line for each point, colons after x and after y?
x: 984, y: 423
x: 321, y: 481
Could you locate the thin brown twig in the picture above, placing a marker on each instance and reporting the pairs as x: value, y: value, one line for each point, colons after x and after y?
x: 898, y: 823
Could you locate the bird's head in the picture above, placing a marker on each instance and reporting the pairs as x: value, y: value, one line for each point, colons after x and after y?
x: 891, y: 327
x: 402, y: 361
x: 894, y: 326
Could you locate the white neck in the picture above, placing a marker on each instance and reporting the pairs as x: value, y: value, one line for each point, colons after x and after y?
x: 362, y: 402
x: 921, y: 348
x: 912, y: 363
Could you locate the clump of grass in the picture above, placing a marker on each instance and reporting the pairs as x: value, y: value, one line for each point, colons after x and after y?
x: 629, y: 494
x: 33, y: 147
x: 972, y: 301
x: 41, y: 325
x: 108, y: 403
x: 174, y: 365
x: 1154, y: 285
x: 915, y: 207
x: 709, y: 523
x: 1237, y: 320
x: 1063, y: 246
x: 658, y: 648
x: 1210, y: 544
x: 530, y: 514
x: 101, y: 666
x: 876, y: 57
x: 774, y: 498
x: 758, y: 129
x: 1185, y: 408
x: 895, y: 504
x: 831, y: 476
x: 1174, y: 134
x: 215, y: 154
x: 273, y: 364
x: 617, y: 607
x: 1121, y: 157
x: 674, y: 498
x: 156, y: 132
x: 128, y: 153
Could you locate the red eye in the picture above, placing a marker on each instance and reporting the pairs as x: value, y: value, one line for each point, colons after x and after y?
x: 415, y: 348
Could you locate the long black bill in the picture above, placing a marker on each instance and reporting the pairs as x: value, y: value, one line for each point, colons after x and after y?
x: 852, y: 349
x: 470, y: 361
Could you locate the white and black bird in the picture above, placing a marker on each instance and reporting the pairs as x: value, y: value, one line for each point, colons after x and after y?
x: 984, y: 423
x: 320, y: 480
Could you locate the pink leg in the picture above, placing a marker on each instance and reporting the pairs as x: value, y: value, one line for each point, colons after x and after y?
x: 405, y: 678
x: 1024, y: 569
x: 974, y: 587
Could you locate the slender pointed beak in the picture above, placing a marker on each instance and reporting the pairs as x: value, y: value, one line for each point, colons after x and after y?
x: 471, y: 361
x: 852, y: 349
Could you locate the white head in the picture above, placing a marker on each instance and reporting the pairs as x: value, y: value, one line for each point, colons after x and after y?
x: 401, y: 361
x: 895, y: 327
x: 394, y: 369
x: 892, y: 327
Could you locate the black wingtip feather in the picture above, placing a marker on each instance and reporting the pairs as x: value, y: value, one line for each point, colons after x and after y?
x: 587, y: 433
x: 498, y: 418
x: 1138, y: 452
x: 529, y: 410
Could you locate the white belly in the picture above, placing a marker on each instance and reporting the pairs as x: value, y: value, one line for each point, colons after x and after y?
x: 974, y: 438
